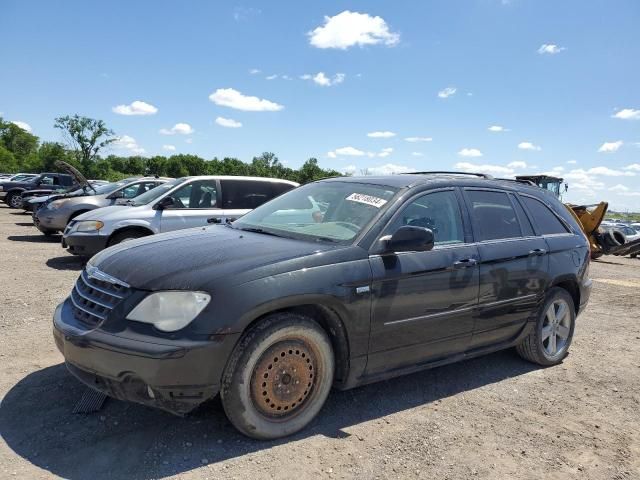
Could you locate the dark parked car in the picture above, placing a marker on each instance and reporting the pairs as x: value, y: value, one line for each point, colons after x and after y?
x: 391, y: 275
x: 11, y: 192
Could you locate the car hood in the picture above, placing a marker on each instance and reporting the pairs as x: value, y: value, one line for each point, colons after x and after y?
x: 113, y: 212
x: 198, y: 258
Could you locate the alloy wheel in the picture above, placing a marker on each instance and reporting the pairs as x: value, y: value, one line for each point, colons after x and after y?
x: 556, y: 329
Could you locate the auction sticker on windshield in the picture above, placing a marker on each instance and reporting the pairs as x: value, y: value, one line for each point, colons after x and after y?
x: 367, y: 199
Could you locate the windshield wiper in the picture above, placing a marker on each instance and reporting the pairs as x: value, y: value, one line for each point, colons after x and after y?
x: 256, y: 230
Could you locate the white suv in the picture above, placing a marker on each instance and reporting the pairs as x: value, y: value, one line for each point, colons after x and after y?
x: 182, y: 203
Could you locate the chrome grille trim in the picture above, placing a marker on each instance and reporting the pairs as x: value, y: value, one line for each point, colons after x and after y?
x: 87, y: 281
x: 85, y: 310
x: 95, y: 295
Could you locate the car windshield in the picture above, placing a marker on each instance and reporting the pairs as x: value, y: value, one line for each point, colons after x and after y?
x: 324, y: 211
x: 154, y: 193
x: 108, y: 188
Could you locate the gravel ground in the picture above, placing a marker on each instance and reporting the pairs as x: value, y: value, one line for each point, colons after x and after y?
x: 493, y: 417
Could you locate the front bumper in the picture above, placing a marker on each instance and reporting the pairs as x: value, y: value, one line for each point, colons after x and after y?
x: 84, y: 244
x: 50, y: 220
x: 175, y: 376
x: 3, y: 194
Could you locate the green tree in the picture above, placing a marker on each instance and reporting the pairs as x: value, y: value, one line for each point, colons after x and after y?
x: 17, y: 141
x: 86, y: 136
x: 8, y: 163
x: 49, y: 153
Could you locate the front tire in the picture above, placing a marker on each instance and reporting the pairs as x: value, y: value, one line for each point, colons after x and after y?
x: 278, y: 376
x: 125, y: 236
x: 548, y: 344
x: 14, y: 200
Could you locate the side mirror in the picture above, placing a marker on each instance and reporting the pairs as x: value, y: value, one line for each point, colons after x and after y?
x: 411, y: 239
x: 166, y: 202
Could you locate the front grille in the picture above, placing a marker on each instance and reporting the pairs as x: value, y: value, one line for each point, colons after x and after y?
x: 94, y: 299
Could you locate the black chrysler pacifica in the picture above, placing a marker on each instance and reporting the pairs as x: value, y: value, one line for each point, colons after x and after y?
x: 338, y: 283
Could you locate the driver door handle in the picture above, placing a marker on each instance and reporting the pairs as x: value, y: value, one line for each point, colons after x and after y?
x: 214, y: 220
x: 537, y: 251
x: 465, y: 263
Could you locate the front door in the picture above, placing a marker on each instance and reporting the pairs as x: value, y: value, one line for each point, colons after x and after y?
x: 194, y: 204
x: 422, y: 307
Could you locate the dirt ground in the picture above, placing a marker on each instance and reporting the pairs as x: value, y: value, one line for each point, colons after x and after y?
x: 494, y: 417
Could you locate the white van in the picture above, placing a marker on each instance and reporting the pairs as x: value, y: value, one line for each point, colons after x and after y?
x: 182, y: 203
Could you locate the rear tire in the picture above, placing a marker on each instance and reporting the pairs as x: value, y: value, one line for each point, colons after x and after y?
x: 126, y: 236
x: 278, y: 376
x: 548, y: 344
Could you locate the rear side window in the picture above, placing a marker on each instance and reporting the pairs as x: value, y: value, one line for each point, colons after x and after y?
x: 66, y: 180
x: 280, y: 188
x: 544, y: 218
x: 525, y: 223
x: 493, y: 215
x: 245, y: 194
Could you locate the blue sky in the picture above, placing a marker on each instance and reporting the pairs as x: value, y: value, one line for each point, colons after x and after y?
x: 317, y: 79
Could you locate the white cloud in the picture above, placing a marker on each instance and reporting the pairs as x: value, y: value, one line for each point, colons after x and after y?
x: 447, y: 92
x: 550, y: 49
x: 483, y: 168
x: 348, y: 29
x: 321, y: 79
x: 254, y: 71
x: 497, y: 128
x: 355, y: 152
x: 608, y: 147
x: 286, y: 77
x: 389, y: 169
x: 178, y: 128
x: 517, y: 164
x: 137, y: 107
x: 347, y: 151
x: 169, y: 148
x: 470, y: 152
x: 609, y: 172
x: 129, y: 143
x: 528, y: 146
x: 619, y: 188
x: 572, y: 162
x: 22, y: 125
x: 417, y: 154
x: 628, y: 114
x: 418, y: 139
x: 635, y: 167
x: 381, y: 134
x: 228, y: 122
x: 272, y: 77
x: 385, y: 152
x: 228, y: 97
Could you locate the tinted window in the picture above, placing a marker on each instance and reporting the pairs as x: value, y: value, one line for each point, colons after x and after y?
x: 525, y: 223
x: 493, y: 215
x: 199, y: 194
x: 48, y: 180
x: 544, y: 218
x: 65, y: 180
x: 438, y: 211
x: 279, y: 188
x: 245, y: 194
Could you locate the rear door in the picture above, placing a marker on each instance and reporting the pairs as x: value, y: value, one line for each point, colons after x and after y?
x: 242, y: 196
x: 194, y: 204
x: 423, y: 302
x: 513, y: 265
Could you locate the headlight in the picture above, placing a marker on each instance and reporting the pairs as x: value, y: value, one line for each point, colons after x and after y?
x: 89, y: 226
x: 56, y: 205
x: 170, y: 311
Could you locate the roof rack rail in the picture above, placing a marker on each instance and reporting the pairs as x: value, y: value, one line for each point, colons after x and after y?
x: 444, y: 172
x: 518, y: 180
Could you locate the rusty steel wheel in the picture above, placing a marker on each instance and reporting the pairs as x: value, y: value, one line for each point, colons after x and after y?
x: 278, y: 376
x: 283, y: 378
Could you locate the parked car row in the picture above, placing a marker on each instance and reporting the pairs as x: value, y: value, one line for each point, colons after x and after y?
x: 280, y: 293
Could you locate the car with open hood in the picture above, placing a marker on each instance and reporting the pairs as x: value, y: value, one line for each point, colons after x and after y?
x: 337, y: 283
x: 181, y: 203
x: 55, y: 213
x: 11, y: 192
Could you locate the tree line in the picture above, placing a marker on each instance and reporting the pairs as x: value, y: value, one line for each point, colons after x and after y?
x: 86, y: 140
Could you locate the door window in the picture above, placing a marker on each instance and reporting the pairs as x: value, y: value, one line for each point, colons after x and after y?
x: 493, y: 215
x: 47, y: 180
x: 245, y: 194
x: 546, y: 220
x: 438, y: 211
x: 199, y: 194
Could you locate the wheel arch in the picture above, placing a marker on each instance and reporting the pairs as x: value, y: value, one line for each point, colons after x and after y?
x: 329, y: 317
x: 135, y: 228
x: 570, y: 284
